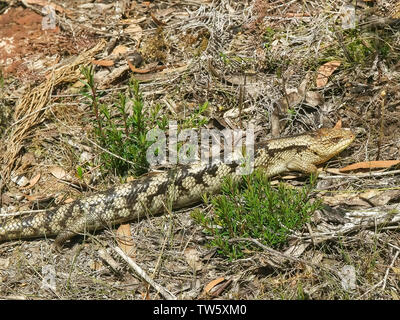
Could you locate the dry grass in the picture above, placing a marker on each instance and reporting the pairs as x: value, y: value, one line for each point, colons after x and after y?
x: 244, y: 58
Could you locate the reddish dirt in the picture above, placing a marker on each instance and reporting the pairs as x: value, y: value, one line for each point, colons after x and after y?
x: 26, y: 49
x: 20, y: 33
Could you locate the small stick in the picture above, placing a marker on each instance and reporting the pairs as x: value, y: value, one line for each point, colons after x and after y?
x: 158, y: 264
x: 383, y: 95
x: 104, y: 255
x: 284, y: 255
x: 164, y: 292
x: 339, y: 38
x: 310, y: 231
x: 371, y: 289
x: 360, y: 175
x: 387, y: 270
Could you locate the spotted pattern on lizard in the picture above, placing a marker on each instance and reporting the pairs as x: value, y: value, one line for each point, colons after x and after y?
x: 180, y: 187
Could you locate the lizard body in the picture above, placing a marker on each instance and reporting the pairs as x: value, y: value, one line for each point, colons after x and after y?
x: 181, y: 187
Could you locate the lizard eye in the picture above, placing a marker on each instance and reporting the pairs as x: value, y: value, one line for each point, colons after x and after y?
x: 335, y: 139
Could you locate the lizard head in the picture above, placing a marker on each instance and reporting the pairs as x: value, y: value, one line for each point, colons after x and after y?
x: 327, y: 143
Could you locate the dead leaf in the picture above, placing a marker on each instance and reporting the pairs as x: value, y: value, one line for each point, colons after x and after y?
x: 28, y: 159
x: 156, y: 20
x: 370, y: 165
x: 338, y: 124
x: 135, y: 31
x: 113, y: 76
x: 143, y: 71
x: 384, y: 197
x: 325, y: 71
x: 314, y: 98
x: 38, y: 197
x: 33, y: 181
x: 4, y: 263
x: 370, y: 193
x: 349, y: 199
x: 159, y: 75
x: 193, y: 259
x: 121, y: 49
x: 212, y: 284
x: 6, y: 199
x: 125, y: 239
x: 291, y: 98
x: 78, y: 84
x: 332, y: 170
x: 96, y: 265
x: 103, y: 63
x: 297, y: 250
x: 58, y: 172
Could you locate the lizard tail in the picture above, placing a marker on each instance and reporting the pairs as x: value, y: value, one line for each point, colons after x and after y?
x: 30, y: 226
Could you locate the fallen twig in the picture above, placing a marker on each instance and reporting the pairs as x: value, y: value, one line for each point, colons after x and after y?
x: 360, y: 175
x: 388, y: 268
x: 164, y: 292
x: 284, y: 255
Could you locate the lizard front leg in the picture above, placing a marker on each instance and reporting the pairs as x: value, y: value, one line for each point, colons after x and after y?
x: 302, y: 166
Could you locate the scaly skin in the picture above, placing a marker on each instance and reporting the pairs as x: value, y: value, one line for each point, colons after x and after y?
x: 180, y: 187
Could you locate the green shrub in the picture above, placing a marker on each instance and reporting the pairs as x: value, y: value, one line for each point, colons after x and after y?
x: 253, y: 208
